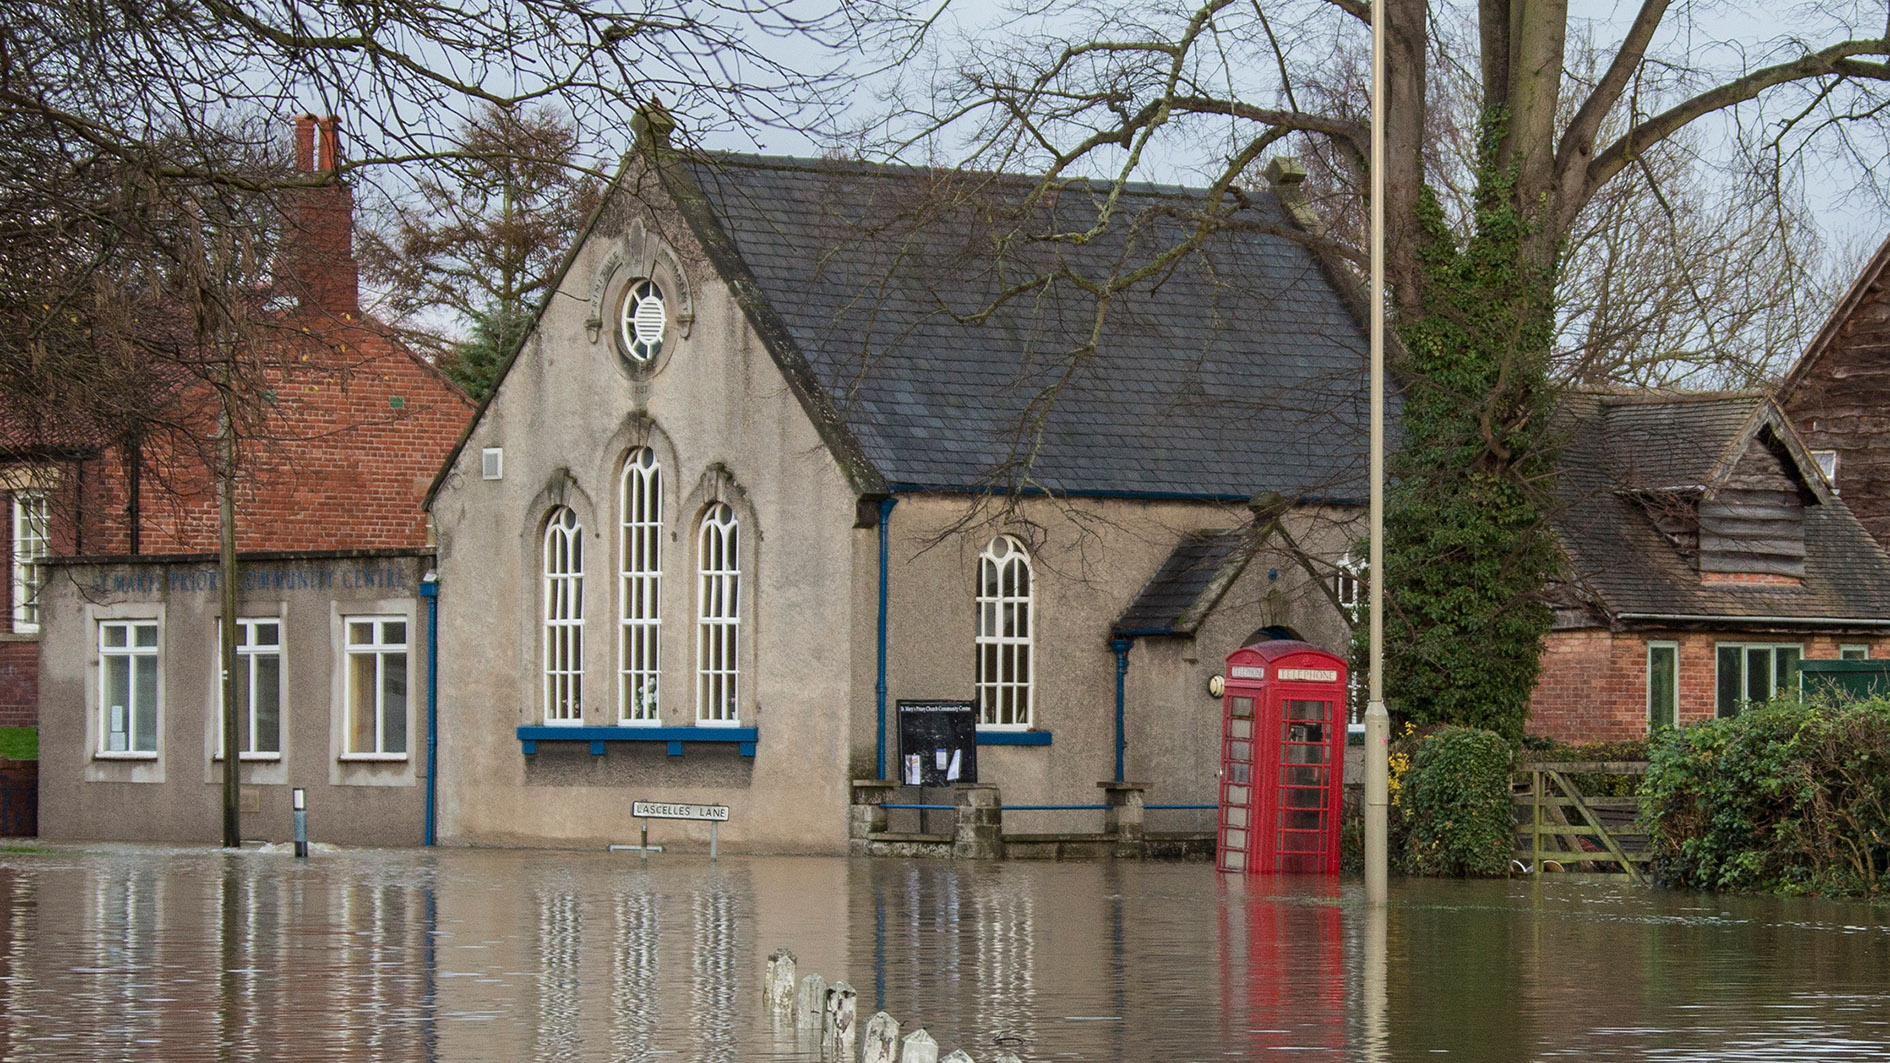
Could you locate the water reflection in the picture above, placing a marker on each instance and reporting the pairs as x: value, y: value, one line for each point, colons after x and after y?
x: 131, y: 953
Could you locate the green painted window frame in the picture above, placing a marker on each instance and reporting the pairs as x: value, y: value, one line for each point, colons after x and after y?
x: 1659, y: 715
x: 1733, y: 692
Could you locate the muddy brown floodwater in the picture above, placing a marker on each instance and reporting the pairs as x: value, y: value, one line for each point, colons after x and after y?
x: 173, y: 954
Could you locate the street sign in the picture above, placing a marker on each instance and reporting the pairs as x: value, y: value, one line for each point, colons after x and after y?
x: 666, y: 810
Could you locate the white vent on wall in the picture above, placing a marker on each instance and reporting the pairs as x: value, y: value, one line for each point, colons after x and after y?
x: 492, y: 463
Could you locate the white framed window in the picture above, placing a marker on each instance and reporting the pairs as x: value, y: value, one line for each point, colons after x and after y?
x: 1828, y: 463
x: 258, y: 689
x: 640, y: 589
x: 718, y: 618
x: 1663, y: 684
x: 376, y: 686
x: 564, y: 618
x: 1348, y: 584
x: 31, y: 545
x: 128, y: 669
x: 1005, y: 622
x: 1752, y: 673
x: 1854, y: 652
x: 643, y: 321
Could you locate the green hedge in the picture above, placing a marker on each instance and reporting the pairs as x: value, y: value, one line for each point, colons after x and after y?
x: 1455, y: 804
x: 1788, y: 798
x: 19, y: 743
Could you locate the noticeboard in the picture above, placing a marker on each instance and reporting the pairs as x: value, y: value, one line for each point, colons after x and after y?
x: 1852, y: 679
x: 938, y: 743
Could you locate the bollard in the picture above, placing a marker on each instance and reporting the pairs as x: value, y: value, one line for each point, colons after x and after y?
x: 958, y: 1056
x: 837, y: 1033
x: 810, y: 1005
x: 918, y: 1047
x: 777, y: 989
x: 298, y: 813
x: 882, y: 1040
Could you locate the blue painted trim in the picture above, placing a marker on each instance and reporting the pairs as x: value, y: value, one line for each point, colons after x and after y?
x: 879, y: 689
x: 674, y: 738
x: 430, y: 590
x: 1141, y: 496
x: 1013, y: 738
x: 1121, y: 646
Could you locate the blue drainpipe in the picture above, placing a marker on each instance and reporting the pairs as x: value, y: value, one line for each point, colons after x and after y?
x: 879, y: 690
x: 430, y: 590
x: 1121, y: 646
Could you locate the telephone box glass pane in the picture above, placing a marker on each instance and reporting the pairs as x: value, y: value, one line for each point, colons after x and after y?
x: 1237, y: 795
x: 1308, y: 710
x: 1236, y: 839
x: 1236, y: 816
x: 1241, y: 751
x: 1239, y: 773
x: 1242, y: 706
x: 1242, y: 728
x: 1236, y: 860
x: 1305, y: 797
x: 1305, y: 820
x: 1303, y: 776
x: 1304, y: 750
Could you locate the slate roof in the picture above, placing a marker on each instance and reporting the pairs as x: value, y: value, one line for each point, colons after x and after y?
x: 1237, y: 371
x: 1188, y: 583
x: 1618, y: 445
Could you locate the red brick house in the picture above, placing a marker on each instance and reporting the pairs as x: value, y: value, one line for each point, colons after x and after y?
x: 114, y: 546
x: 1707, y: 555
x: 1838, y: 396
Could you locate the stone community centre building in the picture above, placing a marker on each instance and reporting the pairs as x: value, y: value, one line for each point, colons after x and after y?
x: 789, y: 443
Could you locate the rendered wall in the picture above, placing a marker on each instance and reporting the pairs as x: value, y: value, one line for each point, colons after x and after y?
x: 176, y: 795
x: 724, y: 425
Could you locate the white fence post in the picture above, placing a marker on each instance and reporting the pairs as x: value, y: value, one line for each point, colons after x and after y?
x: 810, y: 1006
x: 838, y: 1035
x: 918, y: 1047
x: 777, y: 988
x: 882, y: 1040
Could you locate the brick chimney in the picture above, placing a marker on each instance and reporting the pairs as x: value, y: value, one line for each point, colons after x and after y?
x: 318, y: 237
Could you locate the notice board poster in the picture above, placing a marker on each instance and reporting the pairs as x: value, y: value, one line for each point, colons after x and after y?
x: 938, y: 743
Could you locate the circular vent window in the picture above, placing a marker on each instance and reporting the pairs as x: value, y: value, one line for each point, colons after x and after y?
x: 644, y: 320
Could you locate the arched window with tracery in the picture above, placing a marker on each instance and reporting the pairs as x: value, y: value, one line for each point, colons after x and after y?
x: 564, y: 618
x: 718, y: 617
x: 640, y: 589
x: 1005, y: 624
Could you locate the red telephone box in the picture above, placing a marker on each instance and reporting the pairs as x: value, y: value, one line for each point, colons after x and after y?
x: 1282, y: 759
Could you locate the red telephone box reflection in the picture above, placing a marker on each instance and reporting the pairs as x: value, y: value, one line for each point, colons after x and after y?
x: 1282, y: 759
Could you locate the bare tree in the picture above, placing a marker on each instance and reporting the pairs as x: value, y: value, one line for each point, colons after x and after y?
x: 1501, y: 135
x: 482, y: 233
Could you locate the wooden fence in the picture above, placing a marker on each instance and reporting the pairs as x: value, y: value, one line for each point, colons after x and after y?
x: 812, y: 1006
x: 1562, y: 828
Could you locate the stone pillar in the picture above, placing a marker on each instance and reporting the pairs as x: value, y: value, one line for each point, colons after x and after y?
x: 980, y: 833
x: 1124, y: 819
x: 777, y: 988
x: 867, y: 816
x: 882, y: 1039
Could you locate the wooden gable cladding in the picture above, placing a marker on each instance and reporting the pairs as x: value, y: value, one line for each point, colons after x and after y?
x: 1753, y: 522
x: 1838, y: 395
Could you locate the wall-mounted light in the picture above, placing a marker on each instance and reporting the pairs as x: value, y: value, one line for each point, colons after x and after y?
x: 1217, y: 685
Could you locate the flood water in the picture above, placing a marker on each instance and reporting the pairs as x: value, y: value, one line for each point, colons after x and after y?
x: 137, y: 953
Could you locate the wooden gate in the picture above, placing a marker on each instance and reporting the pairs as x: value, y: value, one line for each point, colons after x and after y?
x: 1561, y: 828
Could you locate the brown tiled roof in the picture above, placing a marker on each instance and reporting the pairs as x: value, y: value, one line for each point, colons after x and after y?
x: 1621, y: 448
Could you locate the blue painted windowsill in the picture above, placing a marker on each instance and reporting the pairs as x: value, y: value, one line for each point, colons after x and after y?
x: 673, y: 737
x: 1013, y: 738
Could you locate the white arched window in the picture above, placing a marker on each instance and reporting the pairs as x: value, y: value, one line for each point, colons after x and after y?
x: 1005, y: 622
x: 640, y: 589
x: 564, y: 618
x: 718, y: 617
